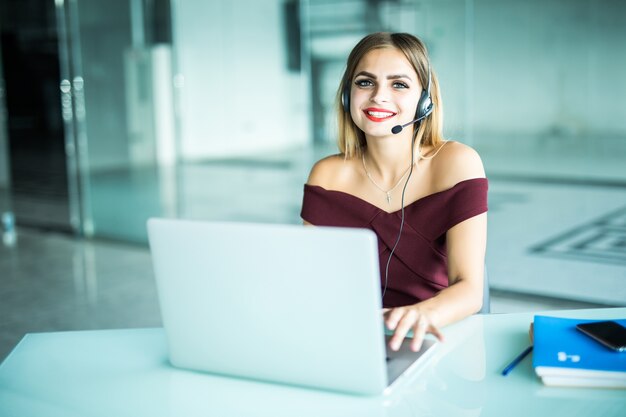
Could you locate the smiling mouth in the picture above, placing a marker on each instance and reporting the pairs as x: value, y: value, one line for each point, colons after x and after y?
x: 378, y: 115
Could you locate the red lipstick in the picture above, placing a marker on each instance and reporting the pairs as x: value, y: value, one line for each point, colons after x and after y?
x: 378, y: 115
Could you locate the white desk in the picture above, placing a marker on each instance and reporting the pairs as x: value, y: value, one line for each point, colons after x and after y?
x: 126, y: 373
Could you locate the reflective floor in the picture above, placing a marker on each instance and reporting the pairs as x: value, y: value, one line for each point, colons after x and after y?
x: 556, y: 241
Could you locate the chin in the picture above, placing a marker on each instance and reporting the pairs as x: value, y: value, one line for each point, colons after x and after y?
x: 382, y: 132
x: 377, y: 130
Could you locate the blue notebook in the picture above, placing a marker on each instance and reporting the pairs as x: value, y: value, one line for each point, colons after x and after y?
x: 563, y: 355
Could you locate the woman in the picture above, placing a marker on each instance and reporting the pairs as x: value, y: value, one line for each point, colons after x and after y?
x: 426, y: 198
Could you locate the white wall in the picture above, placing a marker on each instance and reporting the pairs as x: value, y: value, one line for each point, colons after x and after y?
x: 540, y: 67
x: 550, y: 67
x: 441, y: 24
x: 238, y: 96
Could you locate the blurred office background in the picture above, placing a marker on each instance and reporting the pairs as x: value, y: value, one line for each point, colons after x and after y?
x: 115, y: 111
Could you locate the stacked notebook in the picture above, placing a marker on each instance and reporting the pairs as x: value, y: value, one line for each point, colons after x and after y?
x: 564, y: 356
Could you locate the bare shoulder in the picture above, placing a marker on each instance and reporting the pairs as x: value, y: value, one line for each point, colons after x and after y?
x: 456, y: 162
x: 331, y: 172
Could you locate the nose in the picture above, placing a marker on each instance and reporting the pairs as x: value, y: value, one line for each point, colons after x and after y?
x: 380, y: 94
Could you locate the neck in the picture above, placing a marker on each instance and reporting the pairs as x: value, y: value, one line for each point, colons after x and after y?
x: 389, y: 158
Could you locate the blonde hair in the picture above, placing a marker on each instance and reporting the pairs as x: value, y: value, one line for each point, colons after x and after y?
x: 351, y: 139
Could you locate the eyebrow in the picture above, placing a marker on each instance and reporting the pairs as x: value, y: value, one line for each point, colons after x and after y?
x: 389, y: 77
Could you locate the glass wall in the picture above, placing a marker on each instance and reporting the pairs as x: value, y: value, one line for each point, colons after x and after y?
x: 118, y: 107
x: 217, y: 110
x: 6, y: 210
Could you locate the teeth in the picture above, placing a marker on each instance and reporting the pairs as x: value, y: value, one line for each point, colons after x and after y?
x: 379, y: 114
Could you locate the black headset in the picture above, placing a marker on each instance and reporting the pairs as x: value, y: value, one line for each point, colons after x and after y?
x: 425, y: 104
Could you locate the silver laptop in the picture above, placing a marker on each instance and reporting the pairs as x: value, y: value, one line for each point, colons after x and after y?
x: 282, y: 303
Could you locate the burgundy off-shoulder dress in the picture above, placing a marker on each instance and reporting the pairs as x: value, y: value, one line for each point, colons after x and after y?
x: 418, y: 269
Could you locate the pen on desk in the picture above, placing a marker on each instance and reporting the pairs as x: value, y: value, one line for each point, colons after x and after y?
x: 517, y: 360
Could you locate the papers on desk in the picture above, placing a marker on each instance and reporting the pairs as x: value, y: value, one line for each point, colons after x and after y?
x: 564, y: 356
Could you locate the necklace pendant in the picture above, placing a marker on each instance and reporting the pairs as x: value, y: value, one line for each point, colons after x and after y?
x: 388, y: 198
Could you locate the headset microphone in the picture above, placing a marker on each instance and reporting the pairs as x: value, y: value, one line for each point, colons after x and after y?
x: 397, y: 129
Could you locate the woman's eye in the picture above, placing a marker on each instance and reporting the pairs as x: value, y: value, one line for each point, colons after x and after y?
x: 399, y: 84
x: 364, y: 83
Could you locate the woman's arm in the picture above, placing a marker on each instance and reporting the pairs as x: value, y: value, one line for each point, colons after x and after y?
x: 466, y: 245
x: 463, y: 296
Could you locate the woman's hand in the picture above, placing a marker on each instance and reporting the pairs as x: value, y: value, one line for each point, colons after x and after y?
x: 403, y: 319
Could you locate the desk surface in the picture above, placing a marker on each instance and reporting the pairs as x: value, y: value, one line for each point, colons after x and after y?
x: 126, y: 373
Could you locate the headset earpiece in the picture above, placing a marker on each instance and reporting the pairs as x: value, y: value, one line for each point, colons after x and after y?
x: 345, y: 97
x: 425, y: 104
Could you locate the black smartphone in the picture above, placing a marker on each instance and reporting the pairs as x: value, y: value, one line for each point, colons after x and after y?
x: 610, y: 333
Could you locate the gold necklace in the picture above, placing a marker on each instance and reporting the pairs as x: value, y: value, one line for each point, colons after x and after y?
x: 389, y: 191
